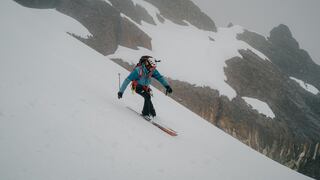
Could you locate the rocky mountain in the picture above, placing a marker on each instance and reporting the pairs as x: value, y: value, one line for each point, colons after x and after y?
x: 284, y: 51
x: 291, y: 137
x: 297, y: 108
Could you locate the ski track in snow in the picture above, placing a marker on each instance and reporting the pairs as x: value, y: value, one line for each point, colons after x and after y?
x: 61, y: 119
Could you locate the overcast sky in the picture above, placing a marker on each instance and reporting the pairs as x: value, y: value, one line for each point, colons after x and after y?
x: 301, y: 16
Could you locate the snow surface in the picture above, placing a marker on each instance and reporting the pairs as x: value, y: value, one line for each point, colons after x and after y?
x: 260, y: 106
x: 107, y: 1
x: 187, y: 52
x: 306, y: 86
x: 60, y: 117
x: 66, y: 24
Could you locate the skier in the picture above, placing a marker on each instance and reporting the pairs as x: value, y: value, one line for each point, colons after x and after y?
x: 141, y: 79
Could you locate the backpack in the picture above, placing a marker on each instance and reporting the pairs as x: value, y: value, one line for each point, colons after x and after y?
x: 134, y: 83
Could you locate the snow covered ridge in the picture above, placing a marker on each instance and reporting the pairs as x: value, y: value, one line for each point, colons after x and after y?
x: 60, y: 118
x: 308, y: 87
x: 188, y: 53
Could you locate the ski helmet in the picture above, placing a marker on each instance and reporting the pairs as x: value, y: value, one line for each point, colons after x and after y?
x: 144, y: 58
x: 149, y: 62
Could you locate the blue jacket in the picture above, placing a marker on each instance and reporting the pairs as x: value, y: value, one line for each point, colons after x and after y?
x: 143, y: 78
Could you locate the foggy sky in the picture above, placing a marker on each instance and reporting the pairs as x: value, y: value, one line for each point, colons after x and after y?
x: 301, y: 16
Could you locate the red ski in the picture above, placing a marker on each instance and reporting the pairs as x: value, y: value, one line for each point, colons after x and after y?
x: 164, y: 128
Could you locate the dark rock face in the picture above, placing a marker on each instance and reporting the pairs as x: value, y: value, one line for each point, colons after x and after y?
x: 107, y: 27
x: 136, y: 13
x: 40, y: 4
x: 284, y: 51
x: 290, y: 138
x: 99, y: 18
x: 297, y: 109
x: 230, y: 25
x: 281, y: 36
x: 179, y: 10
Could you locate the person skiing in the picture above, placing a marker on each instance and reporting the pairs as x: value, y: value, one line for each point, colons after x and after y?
x: 141, y: 79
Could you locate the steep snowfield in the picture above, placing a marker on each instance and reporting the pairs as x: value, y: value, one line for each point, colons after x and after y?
x: 60, y: 118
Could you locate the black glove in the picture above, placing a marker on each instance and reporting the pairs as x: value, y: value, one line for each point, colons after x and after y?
x: 168, y: 90
x: 120, y: 95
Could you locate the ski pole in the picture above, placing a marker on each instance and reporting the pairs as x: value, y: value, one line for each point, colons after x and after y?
x: 119, y: 80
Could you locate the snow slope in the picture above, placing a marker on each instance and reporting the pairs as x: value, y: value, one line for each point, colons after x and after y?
x: 60, y: 118
x: 260, y: 106
x: 308, y: 87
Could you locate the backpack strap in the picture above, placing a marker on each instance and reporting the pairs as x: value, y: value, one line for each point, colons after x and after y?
x: 134, y: 83
x: 151, y: 72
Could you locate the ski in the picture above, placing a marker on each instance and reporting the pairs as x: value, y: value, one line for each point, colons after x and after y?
x: 164, y: 128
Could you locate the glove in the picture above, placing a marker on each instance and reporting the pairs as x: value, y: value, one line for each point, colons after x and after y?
x: 168, y: 90
x: 120, y: 95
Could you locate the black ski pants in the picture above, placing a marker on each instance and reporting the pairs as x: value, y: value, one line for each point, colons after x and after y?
x: 148, y: 108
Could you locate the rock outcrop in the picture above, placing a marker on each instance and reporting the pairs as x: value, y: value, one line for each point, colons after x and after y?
x: 297, y: 109
x: 284, y: 51
x: 39, y: 4
x: 135, y: 12
x: 291, y: 137
x: 108, y: 28
x: 180, y: 10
